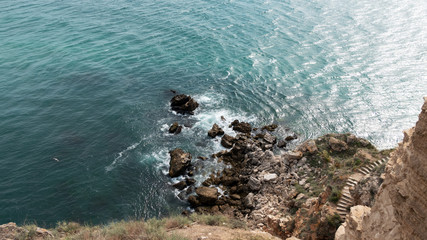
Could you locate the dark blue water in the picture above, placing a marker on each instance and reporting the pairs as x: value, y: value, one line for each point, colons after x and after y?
x: 87, y: 82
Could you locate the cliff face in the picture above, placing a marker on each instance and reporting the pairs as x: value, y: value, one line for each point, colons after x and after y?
x: 400, y: 210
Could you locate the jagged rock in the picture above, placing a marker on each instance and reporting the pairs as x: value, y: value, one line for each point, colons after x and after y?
x: 215, y: 131
x: 351, y: 139
x: 193, y: 201
x: 353, y: 221
x: 202, y: 158
x: 254, y: 184
x: 227, y: 141
x: 270, y: 127
x: 173, y: 128
x: 364, y: 155
x: 337, y: 145
x: 269, y: 138
x: 207, y: 195
x: 242, y: 127
x: 308, y: 146
x: 11, y: 231
x: 183, y: 104
x: 179, y: 162
x: 249, y: 200
x: 400, y: 207
x: 180, y: 185
x: 190, y: 181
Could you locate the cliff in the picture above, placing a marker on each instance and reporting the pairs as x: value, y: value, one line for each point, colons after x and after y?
x: 400, y: 209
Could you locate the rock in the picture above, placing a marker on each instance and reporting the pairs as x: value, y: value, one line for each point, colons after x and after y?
x: 202, y: 158
x: 249, y: 201
x: 194, y: 202
x: 215, y: 131
x: 183, y: 104
x: 235, y: 122
x: 362, y: 154
x: 207, y: 195
x: 270, y: 128
x: 179, y: 162
x: 242, y: 127
x: 190, y: 181
x: 291, y: 137
x: 178, y: 130
x: 227, y: 141
x: 173, y: 128
x: 270, y: 176
x: 297, y: 155
x: 293, y: 238
x: 337, y: 145
x: 351, y: 139
x: 235, y: 196
x: 254, y: 184
x: 180, y: 185
x: 269, y: 138
x: 308, y: 146
x: 281, y: 144
x: 11, y: 231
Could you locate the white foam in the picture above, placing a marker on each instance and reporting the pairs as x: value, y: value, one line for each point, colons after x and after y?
x: 120, y: 155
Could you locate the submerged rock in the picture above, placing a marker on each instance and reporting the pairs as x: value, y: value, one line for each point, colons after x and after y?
x: 183, y: 104
x: 215, y: 131
x: 179, y: 162
x: 270, y: 127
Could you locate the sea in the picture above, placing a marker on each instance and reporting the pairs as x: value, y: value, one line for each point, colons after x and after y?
x: 85, y: 87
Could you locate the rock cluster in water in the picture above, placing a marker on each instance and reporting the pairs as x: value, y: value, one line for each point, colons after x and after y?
x: 183, y: 104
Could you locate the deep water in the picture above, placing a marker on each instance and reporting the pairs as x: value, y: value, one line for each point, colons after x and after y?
x: 88, y: 83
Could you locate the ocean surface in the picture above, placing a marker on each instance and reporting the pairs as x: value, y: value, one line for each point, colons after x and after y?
x: 88, y: 83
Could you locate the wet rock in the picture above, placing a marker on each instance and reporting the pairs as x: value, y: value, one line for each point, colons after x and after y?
x: 173, y: 128
x: 190, y: 181
x: 281, y: 144
x: 207, y: 195
x: 193, y: 201
x: 234, y: 123
x: 270, y: 128
x: 337, y: 145
x: 183, y: 104
x: 180, y: 185
x: 179, y: 162
x: 227, y: 141
x: 215, y: 131
x: 291, y: 137
x: 202, y: 158
x: 242, y: 127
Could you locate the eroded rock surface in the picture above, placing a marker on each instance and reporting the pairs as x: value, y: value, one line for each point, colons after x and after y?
x: 400, y: 209
x: 179, y: 162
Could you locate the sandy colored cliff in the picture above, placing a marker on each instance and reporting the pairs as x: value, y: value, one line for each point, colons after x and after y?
x: 400, y: 210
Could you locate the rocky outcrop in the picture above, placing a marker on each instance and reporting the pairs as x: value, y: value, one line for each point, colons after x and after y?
x: 215, y: 131
x: 183, y: 104
x: 11, y: 231
x: 175, y: 128
x: 179, y: 162
x: 400, y: 208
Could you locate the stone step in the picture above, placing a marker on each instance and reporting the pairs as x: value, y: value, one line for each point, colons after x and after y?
x: 343, y: 209
x: 347, y: 201
x: 343, y: 205
x: 346, y: 195
x: 352, y: 180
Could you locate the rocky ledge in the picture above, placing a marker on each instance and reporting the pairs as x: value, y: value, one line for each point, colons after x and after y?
x: 286, y: 192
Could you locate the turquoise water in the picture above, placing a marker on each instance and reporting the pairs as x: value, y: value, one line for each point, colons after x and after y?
x: 87, y: 82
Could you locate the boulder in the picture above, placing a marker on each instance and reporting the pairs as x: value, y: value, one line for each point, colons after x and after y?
x: 281, y: 144
x: 215, y: 131
x: 291, y: 137
x: 175, y: 128
x: 308, y: 146
x: 337, y: 145
x: 249, y: 200
x: 183, y: 104
x: 180, y: 185
x: 270, y: 138
x: 227, y: 141
x: 179, y: 162
x: 270, y: 176
x: 207, y: 195
x: 242, y: 127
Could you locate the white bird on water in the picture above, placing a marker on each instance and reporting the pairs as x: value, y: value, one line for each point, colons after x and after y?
x: 56, y: 159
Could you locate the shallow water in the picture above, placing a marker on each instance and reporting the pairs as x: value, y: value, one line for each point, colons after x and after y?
x: 87, y: 82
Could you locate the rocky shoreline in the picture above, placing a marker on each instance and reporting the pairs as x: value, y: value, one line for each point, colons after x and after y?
x: 285, y: 192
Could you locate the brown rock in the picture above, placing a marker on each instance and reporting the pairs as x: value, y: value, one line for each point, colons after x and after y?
x: 242, y: 127
x: 179, y: 162
x: 215, y: 131
x: 183, y: 104
x: 270, y: 128
x: 337, y: 145
x: 227, y: 141
x: 207, y: 195
x: 180, y: 185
